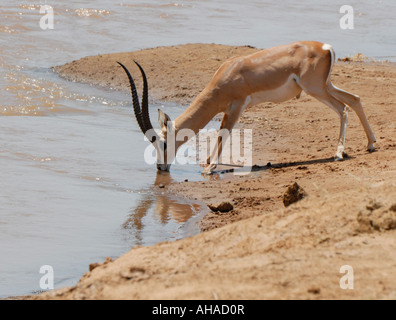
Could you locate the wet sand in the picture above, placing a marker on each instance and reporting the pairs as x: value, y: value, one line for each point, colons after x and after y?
x: 262, y: 250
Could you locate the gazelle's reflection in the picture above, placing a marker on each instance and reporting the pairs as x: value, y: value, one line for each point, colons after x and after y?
x: 164, y: 208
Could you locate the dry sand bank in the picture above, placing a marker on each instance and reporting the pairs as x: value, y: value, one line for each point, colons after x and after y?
x: 268, y: 251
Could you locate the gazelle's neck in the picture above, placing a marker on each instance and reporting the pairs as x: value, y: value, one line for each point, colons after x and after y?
x: 203, y: 109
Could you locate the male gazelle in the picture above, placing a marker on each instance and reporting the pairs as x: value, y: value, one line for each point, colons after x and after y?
x: 271, y: 75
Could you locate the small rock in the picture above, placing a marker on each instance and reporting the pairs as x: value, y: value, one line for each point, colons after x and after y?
x: 133, y: 273
x: 93, y: 266
x: 314, y: 290
x: 375, y: 217
x: 161, y: 186
x: 373, y: 205
x: 107, y: 260
x: 293, y: 194
x: 222, y: 207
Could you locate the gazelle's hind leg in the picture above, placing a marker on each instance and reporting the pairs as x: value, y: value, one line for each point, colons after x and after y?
x: 341, y: 109
x: 354, y: 102
x: 337, y: 99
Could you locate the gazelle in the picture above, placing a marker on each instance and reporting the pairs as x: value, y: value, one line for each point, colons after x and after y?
x: 277, y: 74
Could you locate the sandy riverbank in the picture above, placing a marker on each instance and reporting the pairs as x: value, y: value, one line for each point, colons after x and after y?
x: 262, y: 250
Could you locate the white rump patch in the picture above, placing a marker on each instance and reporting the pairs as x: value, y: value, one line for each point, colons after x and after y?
x: 326, y: 46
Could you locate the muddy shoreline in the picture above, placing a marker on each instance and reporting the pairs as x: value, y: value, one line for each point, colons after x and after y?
x: 260, y: 249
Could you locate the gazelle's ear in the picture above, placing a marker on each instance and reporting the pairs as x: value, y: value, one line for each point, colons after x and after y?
x: 163, y: 119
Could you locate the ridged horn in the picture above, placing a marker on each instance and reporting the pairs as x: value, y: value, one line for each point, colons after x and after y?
x: 142, y: 115
x: 145, y: 106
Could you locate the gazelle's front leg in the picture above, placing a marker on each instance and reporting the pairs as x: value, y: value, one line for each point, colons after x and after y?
x: 219, y: 142
x: 341, y: 140
x: 228, y: 122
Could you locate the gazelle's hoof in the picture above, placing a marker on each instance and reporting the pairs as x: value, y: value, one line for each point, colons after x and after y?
x: 341, y: 156
x: 209, y: 169
x: 338, y: 158
x: 371, y: 146
x: 371, y: 149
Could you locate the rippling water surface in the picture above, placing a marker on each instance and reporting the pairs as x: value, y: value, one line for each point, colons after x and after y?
x: 74, y: 187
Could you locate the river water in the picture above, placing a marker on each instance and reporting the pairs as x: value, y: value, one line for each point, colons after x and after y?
x: 74, y: 187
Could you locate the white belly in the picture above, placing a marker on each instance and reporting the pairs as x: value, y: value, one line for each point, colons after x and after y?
x: 287, y: 91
